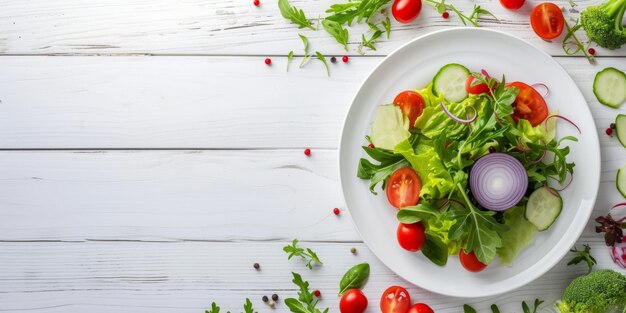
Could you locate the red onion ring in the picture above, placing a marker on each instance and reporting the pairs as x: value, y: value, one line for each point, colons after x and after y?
x: 545, y: 151
x: 498, y: 181
x: 571, y: 178
x: 541, y: 85
x: 551, y: 191
x: 618, y: 205
x: 545, y: 122
x: 457, y: 119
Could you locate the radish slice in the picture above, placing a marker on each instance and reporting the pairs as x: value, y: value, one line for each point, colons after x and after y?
x: 498, y: 181
x: 618, y: 253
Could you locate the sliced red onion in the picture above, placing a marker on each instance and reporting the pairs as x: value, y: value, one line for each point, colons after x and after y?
x: 618, y: 253
x: 485, y: 73
x: 545, y: 122
x: 498, y: 181
x: 551, y: 191
x: 571, y: 178
x: 545, y: 151
x: 544, y: 86
x: 457, y: 119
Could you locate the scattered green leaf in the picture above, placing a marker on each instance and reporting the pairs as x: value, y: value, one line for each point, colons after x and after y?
x: 306, y: 301
x: 305, y: 42
x: 289, y: 57
x: 355, y: 277
x: 306, y: 254
x: 468, y: 309
x: 572, y: 45
x: 294, y: 14
x: 321, y: 57
x: 583, y: 255
x: 338, y: 31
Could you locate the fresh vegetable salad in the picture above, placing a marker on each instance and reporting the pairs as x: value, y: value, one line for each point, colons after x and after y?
x: 468, y: 161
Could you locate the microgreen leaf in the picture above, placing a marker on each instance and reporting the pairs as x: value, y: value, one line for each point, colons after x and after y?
x: 289, y: 57
x: 294, y: 14
x: 321, y: 57
x: 338, y: 31
x: 583, y: 255
x: 308, y: 254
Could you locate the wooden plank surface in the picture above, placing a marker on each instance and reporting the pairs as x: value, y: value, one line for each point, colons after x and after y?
x: 195, y: 102
x: 190, y: 195
x: 187, y: 276
x: 217, y: 27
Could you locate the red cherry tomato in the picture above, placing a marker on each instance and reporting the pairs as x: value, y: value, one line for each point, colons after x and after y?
x: 547, y: 20
x: 529, y: 104
x: 395, y: 300
x: 470, y: 261
x: 353, y: 301
x: 403, y: 188
x: 411, y: 237
x: 420, y: 308
x: 512, y: 4
x: 405, y: 11
x: 476, y: 89
x: 411, y: 103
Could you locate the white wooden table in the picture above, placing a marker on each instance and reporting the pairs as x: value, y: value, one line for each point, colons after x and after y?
x: 149, y: 156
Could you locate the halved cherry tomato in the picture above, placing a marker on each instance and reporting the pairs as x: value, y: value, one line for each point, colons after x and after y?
x: 470, y: 262
x: 476, y: 89
x: 512, y: 4
x: 405, y: 11
x: 420, y: 308
x: 529, y: 104
x: 403, y: 188
x: 411, y: 237
x: 395, y: 300
x: 411, y: 103
x: 353, y: 301
x: 547, y: 20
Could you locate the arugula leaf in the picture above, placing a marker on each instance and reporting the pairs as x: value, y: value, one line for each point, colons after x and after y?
x: 345, y: 13
x: 294, y: 14
x: 572, y: 45
x: 214, y: 308
x: 378, y: 173
x: 306, y: 301
x: 338, y: 31
x: 414, y: 214
x: 370, y: 42
x: 306, y: 57
x: 308, y: 254
x: 321, y: 57
x: 481, y: 230
x: 247, y: 307
x: 583, y: 255
x: 289, y: 57
x: 468, y: 309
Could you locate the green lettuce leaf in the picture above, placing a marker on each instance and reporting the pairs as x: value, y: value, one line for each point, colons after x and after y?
x: 544, y: 131
x: 521, y: 233
x: 436, y: 180
x: 439, y: 226
x: 434, y: 121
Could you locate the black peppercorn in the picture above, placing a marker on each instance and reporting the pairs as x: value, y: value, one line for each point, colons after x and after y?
x: 613, y: 125
x: 275, y: 297
x: 333, y: 60
x: 265, y: 299
x: 256, y: 266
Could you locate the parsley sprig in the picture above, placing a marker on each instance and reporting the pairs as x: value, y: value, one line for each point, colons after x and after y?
x: 583, y: 255
x: 306, y: 301
x: 294, y: 14
x: 306, y: 254
x: 247, y: 308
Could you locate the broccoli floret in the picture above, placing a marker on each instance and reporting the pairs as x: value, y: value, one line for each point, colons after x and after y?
x: 598, y: 292
x: 603, y: 23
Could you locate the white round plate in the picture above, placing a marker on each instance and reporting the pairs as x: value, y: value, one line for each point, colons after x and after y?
x: 413, y: 66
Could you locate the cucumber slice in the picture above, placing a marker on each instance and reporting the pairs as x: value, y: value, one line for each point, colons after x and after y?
x: 620, y: 128
x: 450, y: 82
x: 390, y: 127
x: 621, y: 180
x: 609, y: 86
x: 543, y: 208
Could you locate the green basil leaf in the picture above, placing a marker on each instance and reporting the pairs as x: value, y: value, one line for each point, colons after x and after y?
x: 435, y: 250
x: 355, y: 277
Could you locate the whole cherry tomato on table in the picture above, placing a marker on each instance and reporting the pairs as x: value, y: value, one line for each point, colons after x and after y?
x: 405, y: 11
x: 512, y: 4
x: 395, y: 300
x: 470, y: 262
x: 353, y: 301
x: 420, y: 308
x: 547, y: 20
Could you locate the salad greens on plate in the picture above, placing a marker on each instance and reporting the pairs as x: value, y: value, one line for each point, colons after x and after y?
x: 470, y: 158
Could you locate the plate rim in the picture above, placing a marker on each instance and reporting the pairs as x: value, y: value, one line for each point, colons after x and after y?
x: 594, y: 137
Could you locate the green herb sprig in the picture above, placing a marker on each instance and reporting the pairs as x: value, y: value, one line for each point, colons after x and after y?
x: 306, y: 301
x: 583, y: 255
x: 442, y: 6
x: 572, y: 45
x: 306, y: 254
